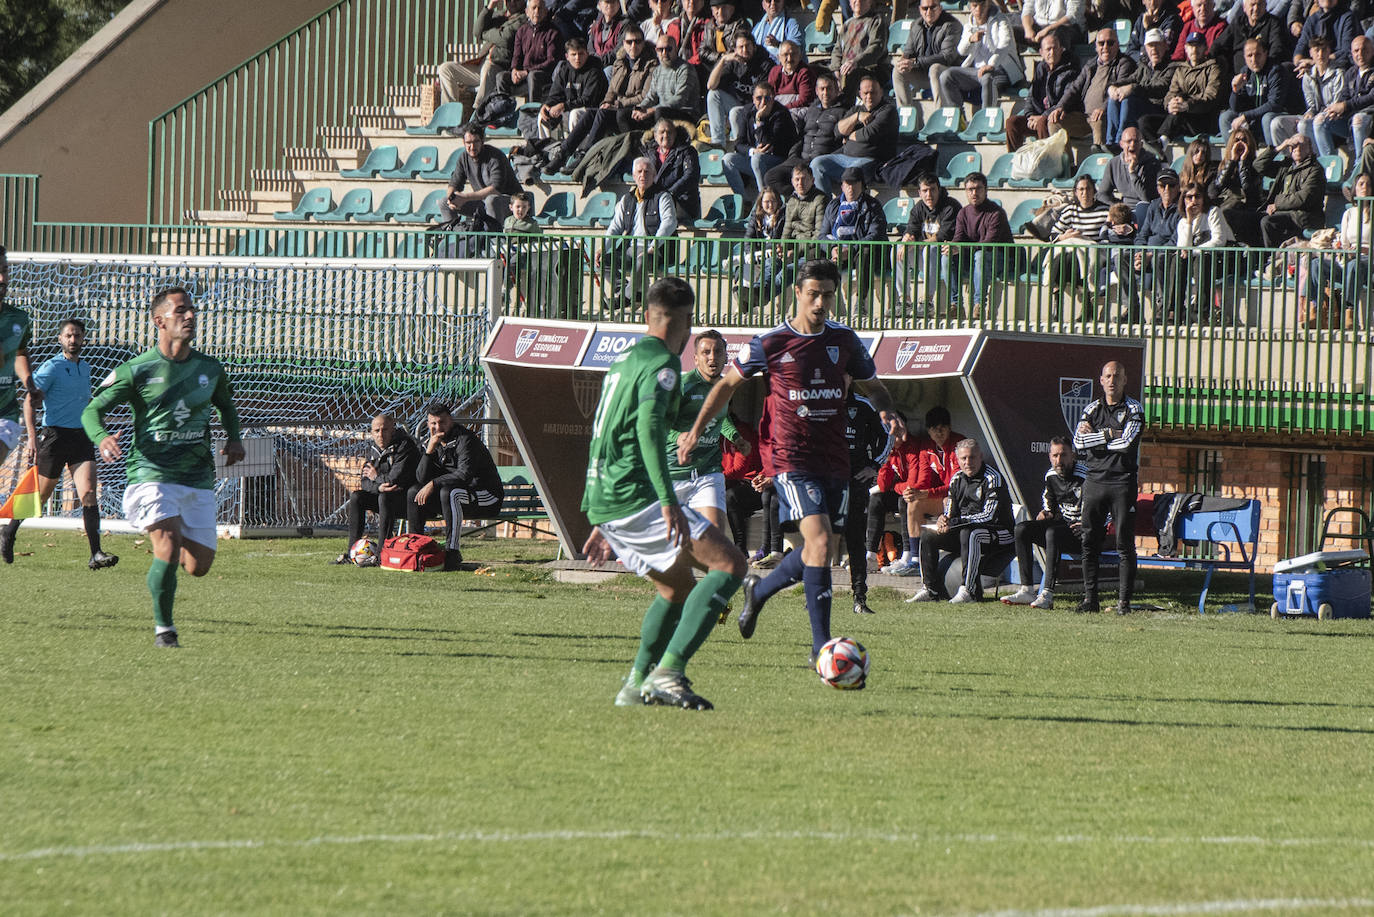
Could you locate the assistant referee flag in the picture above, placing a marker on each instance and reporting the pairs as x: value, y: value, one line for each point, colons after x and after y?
x: 24, y: 502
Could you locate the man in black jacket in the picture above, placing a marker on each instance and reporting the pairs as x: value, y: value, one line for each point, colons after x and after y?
x: 869, y: 134
x: 766, y: 137
x: 577, y: 88
x: 387, y: 474
x: 457, y: 479
x: 932, y: 221
x: 818, y: 135
x: 1054, y: 74
x: 869, y: 445
x: 932, y: 42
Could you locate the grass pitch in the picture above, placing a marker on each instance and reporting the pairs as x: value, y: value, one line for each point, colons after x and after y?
x: 335, y: 740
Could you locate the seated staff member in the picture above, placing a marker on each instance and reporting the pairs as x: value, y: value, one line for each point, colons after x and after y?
x: 1056, y: 528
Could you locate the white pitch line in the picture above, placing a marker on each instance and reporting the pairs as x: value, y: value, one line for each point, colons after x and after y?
x: 513, y: 837
x: 1240, y: 906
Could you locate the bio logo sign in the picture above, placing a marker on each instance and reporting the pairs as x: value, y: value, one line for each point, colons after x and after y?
x: 607, y: 345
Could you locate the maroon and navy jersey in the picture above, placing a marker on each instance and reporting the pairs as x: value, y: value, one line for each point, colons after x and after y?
x: 806, y: 394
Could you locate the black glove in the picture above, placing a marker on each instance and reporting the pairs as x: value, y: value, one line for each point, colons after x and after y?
x: 866, y: 475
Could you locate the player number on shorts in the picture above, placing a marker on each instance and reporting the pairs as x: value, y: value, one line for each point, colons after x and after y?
x: 606, y: 396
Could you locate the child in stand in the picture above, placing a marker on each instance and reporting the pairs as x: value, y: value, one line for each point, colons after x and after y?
x: 1120, y: 232
x: 530, y: 263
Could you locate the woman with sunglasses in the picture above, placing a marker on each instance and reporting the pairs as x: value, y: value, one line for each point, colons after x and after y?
x: 1200, y: 227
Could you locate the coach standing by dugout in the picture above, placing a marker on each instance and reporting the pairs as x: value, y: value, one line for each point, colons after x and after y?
x: 1107, y: 439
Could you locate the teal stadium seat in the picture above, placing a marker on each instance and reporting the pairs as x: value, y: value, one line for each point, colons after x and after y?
x: 353, y: 204
x: 431, y: 209
x: 1334, y: 169
x: 986, y: 124
x: 372, y: 244
x: 908, y: 122
x: 444, y: 172
x: 897, y: 34
x: 421, y: 159
x: 312, y: 203
x: 447, y: 118
x: 727, y: 213
x: 509, y: 130
x: 1123, y: 33
x: 816, y: 41
x: 332, y: 245
x: 412, y: 245
x: 898, y: 211
x: 712, y: 167
x: 378, y: 160
x: 251, y: 244
x: 705, y: 258
x: 294, y: 243
x: 597, y: 211
x: 395, y: 203
x: 1023, y: 213
x: 559, y: 206
x: 999, y: 176
x: 1093, y: 165
x: 960, y: 166
x: 943, y: 124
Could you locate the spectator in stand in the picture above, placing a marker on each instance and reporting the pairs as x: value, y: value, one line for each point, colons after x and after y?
x: 766, y: 138
x: 1322, y: 86
x: 1130, y: 176
x: 1045, y: 109
x: 721, y: 31
x: 1041, y: 18
x: 577, y: 88
x: 931, y: 46
x: 926, y: 485
x: 1158, y: 230
x: 984, y: 222
x: 741, y: 467
x: 1118, y: 237
x: 869, y: 132
x: 661, y: 23
x: 1072, y: 261
x: 607, y: 32
x: 1109, y: 68
x: 793, y: 81
x: 761, y: 261
x: 979, y: 520
x: 1056, y: 528
x: 885, y: 497
x: 1321, y: 307
x: 1143, y: 93
x: 861, y: 47
x: 803, y: 216
x: 1201, y: 227
x: 852, y: 218
x: 573, y: 17
x: 1261, y: 92
x: 929, y: 227
x: 1206, y: 23
x: 1297, y: 199
x: 1194, y: 96
x: 496, y: 26
x: 730, y: 85
x: 673, y: 88
x: 678, y: 167
x: 1158, y: 16
x: 645, y: 211
x: 991, y: 61
x: 692, y: 23
x: 1258, y: 24
x: 482, y: 180
x: 1349, y: 117
x: 538, y: 49
x: 818, y: 134
x: 628, y: 86
x: 1198, y: 166
x: 1237, y: 187
x: 775, y: 28
x: 386, y: 476
x: 1332, y: 20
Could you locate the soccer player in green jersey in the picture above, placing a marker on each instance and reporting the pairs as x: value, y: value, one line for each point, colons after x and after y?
x: 629, y: 498
x: 700, y: 483
x: 16, y: 330
x: 171, y: 473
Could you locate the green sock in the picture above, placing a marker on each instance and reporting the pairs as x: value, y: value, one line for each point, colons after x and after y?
x: 162, y: 585
x: 699, y: 614
x: 654, y: 633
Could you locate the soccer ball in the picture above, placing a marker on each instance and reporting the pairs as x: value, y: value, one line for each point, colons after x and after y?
x: 843, y: 663
x: 363, y: 552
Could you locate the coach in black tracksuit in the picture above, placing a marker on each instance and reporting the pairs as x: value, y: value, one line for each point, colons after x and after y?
x: 869, y: 444
x: 979, y: 520
x: 1055, y: 528
x: 457, y: 479
x: 1107, y: 439
x: 387, y: 477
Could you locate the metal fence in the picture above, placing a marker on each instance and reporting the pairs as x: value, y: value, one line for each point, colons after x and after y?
x: 18, y: 210
x: 341, y: 62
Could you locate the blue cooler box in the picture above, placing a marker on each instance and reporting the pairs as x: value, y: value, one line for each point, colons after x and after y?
x: 1313, y: 589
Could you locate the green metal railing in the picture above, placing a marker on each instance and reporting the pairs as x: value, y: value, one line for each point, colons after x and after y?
x: 346, y: 56
x: 18, y: 210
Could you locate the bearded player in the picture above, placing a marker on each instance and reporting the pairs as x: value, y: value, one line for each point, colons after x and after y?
x: 171, y: 472
x: 700, y: 483
x: 630, y: 499
x: 806, y: 360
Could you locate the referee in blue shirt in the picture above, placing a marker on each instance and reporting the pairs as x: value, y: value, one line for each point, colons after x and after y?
x: 62, y: 386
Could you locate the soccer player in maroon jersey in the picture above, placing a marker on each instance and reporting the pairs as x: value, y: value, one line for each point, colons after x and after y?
x: 807, y: 361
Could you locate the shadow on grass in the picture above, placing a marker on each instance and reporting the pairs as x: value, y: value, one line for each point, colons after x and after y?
x: 1173, y: 724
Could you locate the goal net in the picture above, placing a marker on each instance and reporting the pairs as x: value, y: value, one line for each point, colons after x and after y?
x: 314, y: 347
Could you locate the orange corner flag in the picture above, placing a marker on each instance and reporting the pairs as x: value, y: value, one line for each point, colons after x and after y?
x: 24, y: 502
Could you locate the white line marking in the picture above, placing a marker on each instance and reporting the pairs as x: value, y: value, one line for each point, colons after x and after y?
x: 513, y: 837
x: 1194, y: 907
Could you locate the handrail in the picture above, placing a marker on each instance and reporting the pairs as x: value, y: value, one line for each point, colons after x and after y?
x: 347, y: 56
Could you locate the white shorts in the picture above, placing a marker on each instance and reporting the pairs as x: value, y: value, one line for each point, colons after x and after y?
x: 9, y: 433
x: 705, y: 491
x: 153, y: 501
x: 641, y: 540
